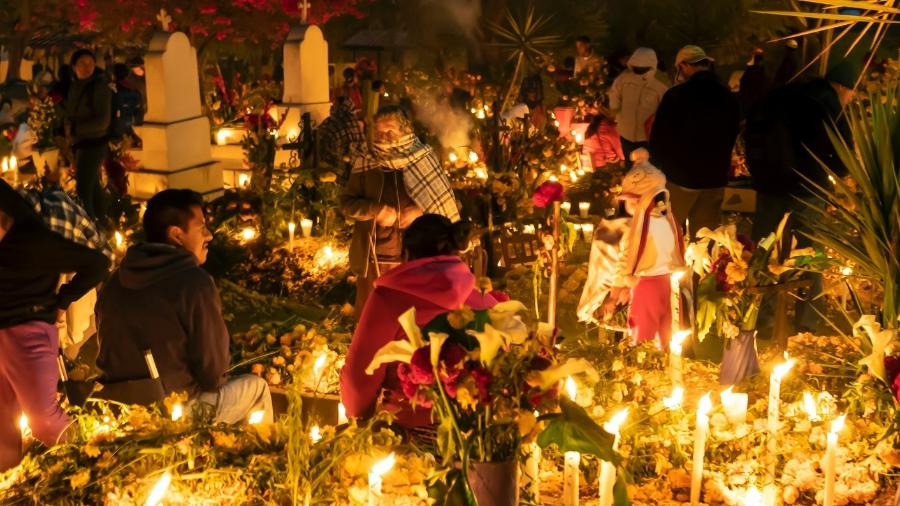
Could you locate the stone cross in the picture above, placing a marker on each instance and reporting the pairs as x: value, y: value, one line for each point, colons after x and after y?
x: 164, y: 19
x: 304, y: 11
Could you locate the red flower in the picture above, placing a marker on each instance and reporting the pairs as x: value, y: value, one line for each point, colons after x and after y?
x: 208, y: 9
x: 483, y: 381
x: 499, y: 296
x: 892, y: 368
x: 547, y: 193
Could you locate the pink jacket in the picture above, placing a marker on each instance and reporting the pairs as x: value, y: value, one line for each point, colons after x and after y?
x: 605, y: 146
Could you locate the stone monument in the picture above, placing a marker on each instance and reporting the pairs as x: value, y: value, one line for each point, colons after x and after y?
x: 176, y: 140
x: 306, y: 86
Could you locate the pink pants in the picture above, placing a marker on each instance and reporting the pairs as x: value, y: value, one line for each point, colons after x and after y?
x: 650, y: 313
x: 28, y: 378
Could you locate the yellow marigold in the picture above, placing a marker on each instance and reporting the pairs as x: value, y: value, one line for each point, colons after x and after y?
x: 461, y: 317
x: 465, y: 398
x: 736, y: 272
x: 90, y: 451
x: 80, y: 479
x: 224, y: 439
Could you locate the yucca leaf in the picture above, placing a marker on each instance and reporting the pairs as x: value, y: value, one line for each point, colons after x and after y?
x: 855, y: 4
x: 826, y: 16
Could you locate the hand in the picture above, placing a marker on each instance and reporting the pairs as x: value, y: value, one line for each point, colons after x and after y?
x: 621, y: 295
x: 409, y: 215
x: 386, y: 217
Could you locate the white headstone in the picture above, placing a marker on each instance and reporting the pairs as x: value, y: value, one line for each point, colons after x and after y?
x: 305, y: 75
x: 176, y: 138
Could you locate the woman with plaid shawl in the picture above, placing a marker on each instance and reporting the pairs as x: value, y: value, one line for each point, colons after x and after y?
x: 391, y: 184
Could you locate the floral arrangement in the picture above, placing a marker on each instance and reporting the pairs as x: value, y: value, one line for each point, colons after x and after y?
x: 732, y: 275
x: 43, y: 119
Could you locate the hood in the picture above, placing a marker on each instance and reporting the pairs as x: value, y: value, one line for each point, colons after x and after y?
x: 444, y: 281
x: 643, y: 57
x: 148, y: 263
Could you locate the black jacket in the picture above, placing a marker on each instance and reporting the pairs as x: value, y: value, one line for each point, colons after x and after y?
x: 694, y: 132
x: 160, y: 298
x: 784, y: 131
x: 32, y: 257
x: 89, y: 108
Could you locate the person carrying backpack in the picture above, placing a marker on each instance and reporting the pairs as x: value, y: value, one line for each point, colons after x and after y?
x: 88, y: 114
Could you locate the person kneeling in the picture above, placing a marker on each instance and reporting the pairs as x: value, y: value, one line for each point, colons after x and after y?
x: 160, y: 298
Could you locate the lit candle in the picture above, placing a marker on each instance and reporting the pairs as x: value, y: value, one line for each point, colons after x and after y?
x: 735, y: 405
x: 378, y: 470
x: 159, y: 490
x: 453, y: 157
x: 583, y: 208
x: 572, y: 464
x: 588, y: 229
x: 243, y: 180
x: 473, y: 157
x: 831, y: 459
x: 24, y: 428
x: 674, y: 400
x: 315, y: 434
x: 532, y: 474
x: 676, y: 349
x: 675, y: 304
x: 306, y: 226
x: 342, y: 414
x: 809, y: 405
x: 120, y: 240
x: 4, y: 164
x: 566, y: 206
x: 291, y: 228
x: 778, y: 373
x: 529, y: 229
x: 700, y: 432
x: 256, y: 417
x: 177, y: 412
x: 607, y: 469
x: 248, y: 234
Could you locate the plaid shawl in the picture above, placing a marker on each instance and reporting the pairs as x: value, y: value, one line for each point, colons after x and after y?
x: 423, y: 175
x: 340, y: 133
x: 63, y: 216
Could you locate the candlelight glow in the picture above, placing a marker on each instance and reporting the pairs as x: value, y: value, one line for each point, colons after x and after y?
x: 553, y: 178
x: 676, y: 345
x: 677, y: 276
x: 13, y: 163
x: 384, y: 465
x: 24, y: 428
x: 705, y: 406
x: 159, y: 490
x: 120, y: 240
x: 342, y: 413
x: 473, y: 157
x: 248, y: 234
x: 837, y: 424
x: 753, y: 497
x: 780, y: 370
x: 481, y: 173
x: 809, y: 405
x: 315, y: 434
x: 177, y: 412
x: 674, y: 400
x: 292, y: 227
x: 293, y: 134
x: 243, y: 180
x: 319, y: 364
x: 256, y: 417
x: 4, y: 165
x: 614, y: 423
x: 847, y: 271
x: 571, y: 388
x: 222, y: 137
x: 453, y: 157
x: 566, y: 206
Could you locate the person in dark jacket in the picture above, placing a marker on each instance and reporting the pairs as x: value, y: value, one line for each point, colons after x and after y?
x: 160, y: 298
x: 127, y: 108
x: 32, y: 258
x: 692, y: 139
x: 88, y: 114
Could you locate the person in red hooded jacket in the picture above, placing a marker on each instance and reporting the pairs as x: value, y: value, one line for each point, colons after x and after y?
x: 434, y: 280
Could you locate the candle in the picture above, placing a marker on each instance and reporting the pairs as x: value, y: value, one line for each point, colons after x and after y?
x: 778, y: 373
x: 675, y: 283
x: 533, y: 471
x: 588, y: 229
x: 453, y: 157
x: 159, y: 490
x: 291, y: 228
x: 674, y: 400
x: 378, y: 470
x: 306, y: 226
x: 700, y: 432
x: 675, y: 351
x: 177, y: 412
x: 583, y: 208
x: 315, y: 434
x: 248, y: 234
x: 243, y: 180
x: 809, y: 405
x: 735, y: 405
x: 342, y: 414
x: 256, y: 417
x: 566, y: 206
x: 607, y: 469
x: 473, y: 157
x: 831, y: 459
x: 572, y: 463
x: 24, y: 428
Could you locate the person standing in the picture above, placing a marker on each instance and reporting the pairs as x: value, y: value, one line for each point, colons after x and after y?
x: 692, y: 139
x: 634, y: 97
x: 32, y: 258
x: 391, y: 185
x: 586, y: 61
x: 88, y: 116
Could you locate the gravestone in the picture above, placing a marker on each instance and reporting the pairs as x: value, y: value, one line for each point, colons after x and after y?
x: 176, y: 141
x: 305, y: 77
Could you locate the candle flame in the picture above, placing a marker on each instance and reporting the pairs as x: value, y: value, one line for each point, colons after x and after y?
x: 553, y: 178
x: 612, y: 426
x: 177, y: 412
x: 837, y: 424
x: 256, y: 417
x: 319, y: 364
x: 292, y: 227
x: 315, y: 434
x: 4, y: 165
x: 453, y: 157
x: 847, y: 271
x: 342, y: 413
x: 23, y: 424
x: 677, y: 276
x: 809, y: 405
x: 384, y: 465
x: 674, y: 400
x: 248, y: 234
x: 782, y: 369
x: 13, y: 163
x: 571, y: 388
x: 243, y: 180
x: 159, y: 490
x: 473, y: 157
x: 120, y: 240
x: 705, y: 406
x: 222, y: 137
x: 481, y: 173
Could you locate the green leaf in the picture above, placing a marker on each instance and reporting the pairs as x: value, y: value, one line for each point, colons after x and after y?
x: 620, y: 491
x: 573, y: 430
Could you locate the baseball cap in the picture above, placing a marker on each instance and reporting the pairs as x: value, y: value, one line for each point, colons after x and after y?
x: 692, y: 54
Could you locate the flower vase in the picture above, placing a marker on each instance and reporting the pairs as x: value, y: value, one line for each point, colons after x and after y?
x: 739, y: 359
x: 495, y: 483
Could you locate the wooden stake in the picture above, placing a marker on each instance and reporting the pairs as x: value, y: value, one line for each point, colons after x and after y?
x: 554, y: 268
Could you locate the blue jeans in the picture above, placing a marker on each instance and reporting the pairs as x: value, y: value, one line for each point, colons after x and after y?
x: 89, y: 156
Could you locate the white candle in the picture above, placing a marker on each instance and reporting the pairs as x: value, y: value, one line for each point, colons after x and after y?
x: 533, y: 471
x: 675, y: 284
x: 588, y: 229
x: 778, y: 373
x: 607, y: 469
x: 243, y: 180
x: 831, y: 459
x: 306, y: 226
x: 735, y: 405
x: 315, y: 434
x: 674, y: 400
x: 675, y: 352
x: 566, y: 206
x: 378, y: 470
x: 342, y: 414
x: 584, y: 208
x: 700, y: 433
x: 291, y: 228
x: 572, y: 464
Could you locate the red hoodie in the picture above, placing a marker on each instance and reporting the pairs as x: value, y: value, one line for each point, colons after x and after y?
x: 433, y: 285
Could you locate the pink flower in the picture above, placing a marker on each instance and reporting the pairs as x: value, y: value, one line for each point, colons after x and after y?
x: 548, y: 193
x: 499, y: 296
x: 483, y: 381
x: 208, y: 9
x: 892, y: 369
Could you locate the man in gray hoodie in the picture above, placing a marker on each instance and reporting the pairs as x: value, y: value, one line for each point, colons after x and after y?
x: 160, y: 298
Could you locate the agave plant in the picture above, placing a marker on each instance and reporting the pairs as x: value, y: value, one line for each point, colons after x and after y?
x: 522, y: 39
x: 837, y: 19
x: 859, y: 218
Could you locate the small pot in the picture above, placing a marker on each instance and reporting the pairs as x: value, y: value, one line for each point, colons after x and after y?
x: 495, y: 483
x: 739, y: 360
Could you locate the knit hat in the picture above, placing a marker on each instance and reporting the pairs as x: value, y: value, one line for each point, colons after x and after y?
x: 845, y: 73
x: 643, y: 180
x: 643, y: 57
x: 691, y: 54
